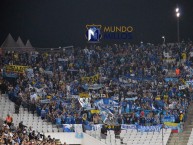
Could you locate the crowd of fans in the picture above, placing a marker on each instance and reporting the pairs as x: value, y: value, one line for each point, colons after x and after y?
x: 144, y: 80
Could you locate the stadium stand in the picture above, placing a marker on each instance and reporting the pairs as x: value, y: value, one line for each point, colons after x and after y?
x: 135, y: 99
x: 29, y: 120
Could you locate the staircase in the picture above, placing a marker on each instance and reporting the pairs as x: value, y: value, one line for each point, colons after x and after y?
x: 182, y: 138
x: 8, y: 107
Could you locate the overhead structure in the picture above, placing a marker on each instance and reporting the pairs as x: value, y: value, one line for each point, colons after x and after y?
x: 9, y: 42
x: 20, y: 43
x: 28, y: 44
x: 16, y: 46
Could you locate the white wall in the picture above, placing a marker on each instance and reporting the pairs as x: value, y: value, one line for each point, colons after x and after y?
x: 89, y: 140
x: 69, y: 138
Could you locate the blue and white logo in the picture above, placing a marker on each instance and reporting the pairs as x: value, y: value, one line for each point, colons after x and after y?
x: 93, y: 33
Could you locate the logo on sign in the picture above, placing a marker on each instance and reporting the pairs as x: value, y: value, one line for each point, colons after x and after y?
x: 93, y: 33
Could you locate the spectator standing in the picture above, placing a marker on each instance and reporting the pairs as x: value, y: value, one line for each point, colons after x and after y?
x: 9, y: 120
x: 177, y: 71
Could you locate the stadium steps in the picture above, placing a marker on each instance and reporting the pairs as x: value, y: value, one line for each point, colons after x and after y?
x: 183, y: 137
x: 1, y: 121
x: 39, y: 125
x: 177, y: 139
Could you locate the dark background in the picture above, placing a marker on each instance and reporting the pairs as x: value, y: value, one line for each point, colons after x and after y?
x: 54, y: 23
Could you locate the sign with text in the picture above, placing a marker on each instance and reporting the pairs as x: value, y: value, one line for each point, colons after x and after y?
x: 16, y: 68
x: 92, y: 79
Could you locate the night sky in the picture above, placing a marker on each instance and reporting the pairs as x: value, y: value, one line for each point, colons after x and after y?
x: 54, y: 23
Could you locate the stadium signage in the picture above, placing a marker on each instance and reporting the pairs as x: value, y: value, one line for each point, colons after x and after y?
x: 118, y: 29
x: 149, y: 128
x: 96, y: 32
x: 126, y: 126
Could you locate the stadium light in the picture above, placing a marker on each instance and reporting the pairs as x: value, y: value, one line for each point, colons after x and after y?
x: 164, y: 39
x: 177, y: 10
x: 178, y: 28
x: 178, y: 14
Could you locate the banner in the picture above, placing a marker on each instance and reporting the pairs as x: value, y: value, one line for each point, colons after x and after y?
x: 97, y: 127
x: 84, y: 95
x: 95, y: 87
x: 182, y: 87
x: 75, y: 96
x: 156, y: 128
x: 106, y: 103
x: 85, y: 102
x: 93, y: 127
x: 92, y: 79
x: 169, y: 118
x: 189, y: 83
x: 116, y: 97
x: 169, y: 60
x: 95, y: 111
x: 78, y: 130
x: 126, y: 126
x: 99, y: 96
x: 131, y: 99
x: 128, y: 80
x: 68, y: 127
x: 106, y: 107
x: 171, y: 79
x: 112, y: 127
x: 176, y: 127
x: 171, y: 125
x: 45, y: 101
x: 9, y: 74
x: 16, y: 68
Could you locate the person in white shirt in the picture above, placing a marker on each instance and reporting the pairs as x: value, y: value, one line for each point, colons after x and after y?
x: 33, y: 96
